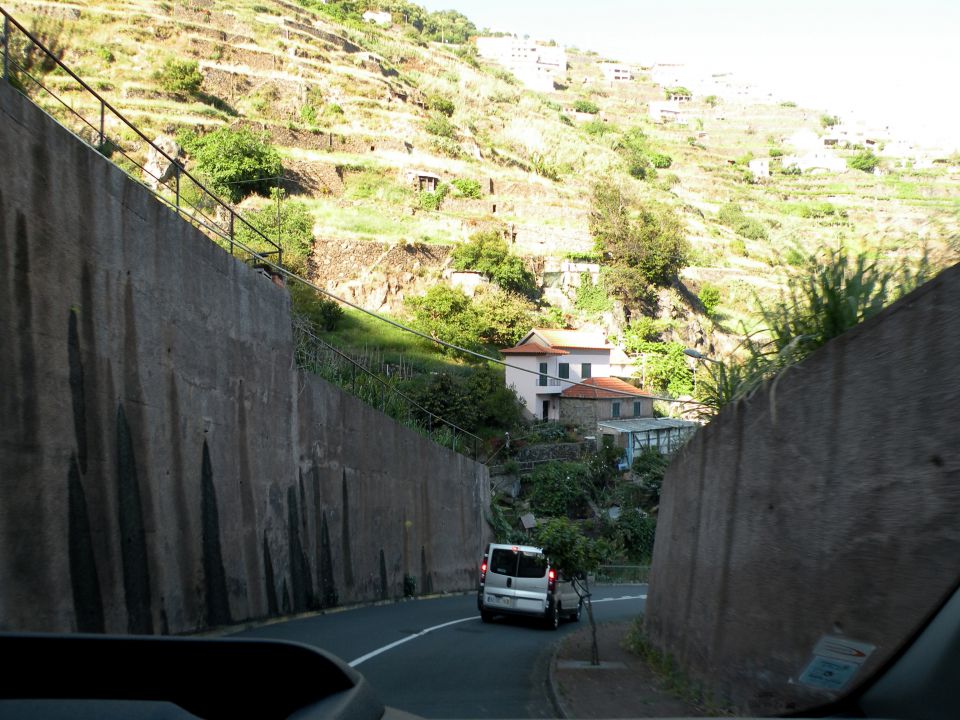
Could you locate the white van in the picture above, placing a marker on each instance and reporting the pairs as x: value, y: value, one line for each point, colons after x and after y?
x: 518, y: 580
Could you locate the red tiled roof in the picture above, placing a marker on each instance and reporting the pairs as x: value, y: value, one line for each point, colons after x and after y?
x: 602, y: 388
x: 533, y: 348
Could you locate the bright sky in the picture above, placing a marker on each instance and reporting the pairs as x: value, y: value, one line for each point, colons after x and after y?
x: 890, y: 62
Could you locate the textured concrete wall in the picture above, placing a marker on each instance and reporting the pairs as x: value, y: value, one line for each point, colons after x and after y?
x: 162, y: 465
x: 825, y: 505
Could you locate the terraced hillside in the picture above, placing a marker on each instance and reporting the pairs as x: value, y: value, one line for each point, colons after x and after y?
x: 357, y: 112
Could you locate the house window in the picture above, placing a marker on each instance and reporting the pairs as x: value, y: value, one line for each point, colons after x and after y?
x: 542, y: 381
x: 616, y: 410
x: 585, y: 370
x: 565, y: 371
x: 637, y: 408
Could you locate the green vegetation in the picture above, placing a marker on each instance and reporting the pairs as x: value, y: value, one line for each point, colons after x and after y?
x: 734, y: 218
x: 832, y: 292
x: 180, y: 76
x: 829, y: 121
x: 864, y: 161
x: 709, y: 297
x: 286, y: 222
x: 467, y: 187
x: 487, y: 253
x: 235, y: 162
x: 640, y: 159
x: 592, y: 298
x: 586, y: 106
x: 678, y: 91
x: 788, y: 104
x: 432, y: 200
x: 712, y: 100
x: 644, y: 246
x: 441, y: 104
x: 440, y: 125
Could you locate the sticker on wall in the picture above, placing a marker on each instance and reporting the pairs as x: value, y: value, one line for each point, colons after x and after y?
x: 835, y: 661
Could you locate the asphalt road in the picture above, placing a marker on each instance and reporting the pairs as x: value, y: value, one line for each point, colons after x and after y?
x: 435, y: 658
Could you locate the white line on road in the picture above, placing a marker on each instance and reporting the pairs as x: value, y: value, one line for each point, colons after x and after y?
x: 378, y: 651
x: 364, y: 658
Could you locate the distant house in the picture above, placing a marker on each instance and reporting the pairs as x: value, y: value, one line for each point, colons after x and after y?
x: 603, y: 398
x: 380, y: 18
x: 664, y: 111
x: 760, y: 167
x: 614, y: 72
x: 423, y: 181
x: 546, y: 358
x: 535, y: 65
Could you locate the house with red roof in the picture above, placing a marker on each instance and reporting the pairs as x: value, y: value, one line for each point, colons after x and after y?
x: 564, y: 375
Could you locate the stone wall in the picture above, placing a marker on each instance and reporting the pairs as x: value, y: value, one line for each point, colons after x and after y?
x: 163, y: 467
x: 825, y: 505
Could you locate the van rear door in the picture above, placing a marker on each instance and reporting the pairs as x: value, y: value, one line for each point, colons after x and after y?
x: 531, y: 582
x: 501, y: 573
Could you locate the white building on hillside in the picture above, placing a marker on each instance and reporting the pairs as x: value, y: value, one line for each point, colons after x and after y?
x: 547, y: 357
x: 380, y: 18
x: 614, y: 72
x: 536, y: 66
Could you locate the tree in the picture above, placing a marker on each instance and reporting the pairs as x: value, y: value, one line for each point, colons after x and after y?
x: 285, y: 221
x: 644, y: 246
x: 447, y: 314
x: 575, y: 555
x: 180, y: 76
x: 236, y: 162
x: 864, y: 161
x: 487, y: 253
x: 507, y: 316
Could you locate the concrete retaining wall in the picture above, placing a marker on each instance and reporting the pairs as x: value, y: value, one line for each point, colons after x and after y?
x: 826, y: 505
x: 163, y: 466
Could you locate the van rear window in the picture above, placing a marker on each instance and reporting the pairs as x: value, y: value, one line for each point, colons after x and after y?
x: 532, y: 565
x: 504, y: 562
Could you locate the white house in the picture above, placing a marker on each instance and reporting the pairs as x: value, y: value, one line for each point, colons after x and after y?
x: 547, y: 357
x: 380, y: 18
x: 614, y: 72
x: 536, y: 66
x: 760, y: 167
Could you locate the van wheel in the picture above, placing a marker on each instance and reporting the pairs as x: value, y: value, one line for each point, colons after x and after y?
x: 553, y: 617
x: 486, y: 616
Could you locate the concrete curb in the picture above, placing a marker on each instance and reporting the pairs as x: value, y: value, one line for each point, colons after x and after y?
x: 553, y: 689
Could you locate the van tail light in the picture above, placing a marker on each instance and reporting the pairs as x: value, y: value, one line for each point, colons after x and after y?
x: 483, y: 571
x: 552, y: 580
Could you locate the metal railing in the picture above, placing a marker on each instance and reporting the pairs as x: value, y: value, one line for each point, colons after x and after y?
x: 329, y: 362
x: 188, y: 197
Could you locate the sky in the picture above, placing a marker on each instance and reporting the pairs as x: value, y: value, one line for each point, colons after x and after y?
x: 890, y: 63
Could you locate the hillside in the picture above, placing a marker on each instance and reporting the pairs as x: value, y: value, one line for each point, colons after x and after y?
x: 357, y: 111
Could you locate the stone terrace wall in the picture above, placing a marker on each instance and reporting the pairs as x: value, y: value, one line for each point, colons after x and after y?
x: 826, y: 505
x: 163, y: 467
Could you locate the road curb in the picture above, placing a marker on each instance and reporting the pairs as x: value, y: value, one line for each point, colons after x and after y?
x: 553, y: 689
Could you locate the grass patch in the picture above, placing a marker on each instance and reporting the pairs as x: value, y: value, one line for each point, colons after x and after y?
x: 358, y: 332
x: 674, y: 680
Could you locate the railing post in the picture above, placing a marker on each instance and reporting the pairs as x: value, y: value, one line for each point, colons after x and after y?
x: 6, y: 48
x: 100, y: 144
x: 231, y: 232
x: 176, y: 175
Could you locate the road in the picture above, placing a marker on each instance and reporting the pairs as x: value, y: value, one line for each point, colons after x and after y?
x: 434, y: 657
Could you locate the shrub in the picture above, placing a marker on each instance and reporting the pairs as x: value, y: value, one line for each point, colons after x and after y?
x: 733, y: 217
x: 709, y: 297
x: 788, y: 104
x: 487, y: 253
x: 829, y: 120
x: 321, y: 312
x: 659, y: 160
x: 565, y: 119
x: 557, y: 489
x: 446, y: 313
x: 433, y: 200
x: 586, y: 106
x: 236, y: 162
x: 506, y: 315
x: 441, y: 104
x: 440, y: 125
x: 591, y: 298
x: 180, y: 76
x: 598, y: 128
x: 738, y: 247
x: 776, y: 152
x: 678, y: 91
x: 712, y: 100
x: 864, y: 161
x: 294, y: 232
x: 467, y: 187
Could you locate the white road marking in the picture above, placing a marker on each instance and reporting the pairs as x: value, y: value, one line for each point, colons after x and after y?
x: 378, y: 651
x: 622, y: 597
x: 374, y: 653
